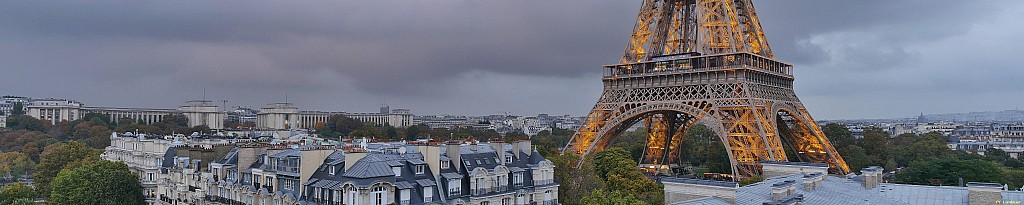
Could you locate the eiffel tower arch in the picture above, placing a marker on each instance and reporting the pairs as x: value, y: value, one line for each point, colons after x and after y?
x: 704, y: 61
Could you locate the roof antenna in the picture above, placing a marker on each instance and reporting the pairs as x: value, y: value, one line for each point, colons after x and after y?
x: 285, y: 97
x: 204, y: 94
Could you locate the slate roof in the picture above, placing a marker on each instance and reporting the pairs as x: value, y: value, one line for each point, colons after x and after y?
x: 287, y: 153
x: 403, y: 185
x: 706, y: 201
x: 168, y: 158
x: 425, y: 182
x: 833, y: 190
x: 700, y: 182
x: 919, y: 194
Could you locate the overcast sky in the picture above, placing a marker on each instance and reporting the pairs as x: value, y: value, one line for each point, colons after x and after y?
x: 854, y: 59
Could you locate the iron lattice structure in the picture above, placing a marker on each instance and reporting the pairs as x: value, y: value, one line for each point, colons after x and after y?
x: 704, y: 61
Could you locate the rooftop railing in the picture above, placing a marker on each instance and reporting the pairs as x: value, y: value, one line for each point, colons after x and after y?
x: 705, y: 63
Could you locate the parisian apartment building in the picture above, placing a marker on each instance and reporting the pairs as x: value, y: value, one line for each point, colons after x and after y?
x: 200, y: 169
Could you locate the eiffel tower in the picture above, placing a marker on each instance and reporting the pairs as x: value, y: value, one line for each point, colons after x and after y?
x: 704, y: 61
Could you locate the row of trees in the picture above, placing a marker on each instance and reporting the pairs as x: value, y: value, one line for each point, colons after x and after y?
x: 340, y: 126
x: 924, y: 159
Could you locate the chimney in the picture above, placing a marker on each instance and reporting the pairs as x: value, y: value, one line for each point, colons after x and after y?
x: 872, y: 176
x: 352, y: 157
x: 984, y: 193
x: 432, y: 155
x: 452, y: 150
x: 521, y: 148
x: 499, y: 148
x: 783, y: 190
x: 812, y: 181
x: 473, y: 146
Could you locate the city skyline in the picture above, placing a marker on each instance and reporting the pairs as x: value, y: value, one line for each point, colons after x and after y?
x: 852, y: 60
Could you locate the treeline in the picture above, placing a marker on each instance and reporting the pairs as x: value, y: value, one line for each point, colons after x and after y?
x: 340, y: 126
x: 924, y: 159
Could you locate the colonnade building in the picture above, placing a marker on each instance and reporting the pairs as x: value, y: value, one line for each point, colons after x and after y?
x: 198, y: 112
x: 285, y: 116
x: 274, y: 116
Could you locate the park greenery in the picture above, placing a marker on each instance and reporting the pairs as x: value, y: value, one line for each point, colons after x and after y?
x: 35, y: 148
x: 924, y: 159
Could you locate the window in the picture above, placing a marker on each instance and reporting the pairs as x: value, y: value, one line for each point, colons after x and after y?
x: 336, y: 196
x: 444, y: 164
x: 397, y: 171
x: 150, y: 176
x: 419, y: 169
x: 508, y: 159
x: 405, y: 196
x: 287, y: 184
x: 428, y: 194
x: 380, y: 195
x: 353, y: 199
x: 331, y: 170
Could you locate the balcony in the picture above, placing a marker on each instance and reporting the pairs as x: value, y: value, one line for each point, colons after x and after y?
x: 404, y: 202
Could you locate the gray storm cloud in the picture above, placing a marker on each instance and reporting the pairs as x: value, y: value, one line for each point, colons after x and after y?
x: 854, y: 58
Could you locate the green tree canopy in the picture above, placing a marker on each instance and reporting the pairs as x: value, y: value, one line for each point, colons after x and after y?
x: 339, y: 126
x: 57, y: 157
x: 18, y: 109
x: 855, y: 157
x: 25, y: 122
x: 839, y: 135
x: 16, y: 164
x: 604, y: 197
x: 622, y: 175
x: 876, y: 145
x: 948, y: 171
x: 97, y: 182
x: 16, y: 191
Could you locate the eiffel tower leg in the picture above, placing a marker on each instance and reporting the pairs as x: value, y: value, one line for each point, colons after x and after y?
x: 809, y: 142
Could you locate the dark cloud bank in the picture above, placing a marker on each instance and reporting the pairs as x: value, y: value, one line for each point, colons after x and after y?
x: 854, y: 58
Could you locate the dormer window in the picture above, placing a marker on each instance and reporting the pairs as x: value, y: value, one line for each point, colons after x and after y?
x: 332, y: 170
x: 508, y: 159
x: 444, y: 164
x: 419, y: 169
x: 397, y: 171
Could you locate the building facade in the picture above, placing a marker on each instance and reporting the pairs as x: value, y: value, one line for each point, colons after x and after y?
x: 192, y: 170
x: 285, y: 116
x: 56, y: 110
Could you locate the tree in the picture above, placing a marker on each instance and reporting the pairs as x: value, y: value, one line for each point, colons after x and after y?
x: 16, y: 191
x: 97, y: 182
x: 25, y: 122
x: 58, y: 157
x: 17, y: 109
x: 575, y: 183
x: 876, y: 145
x: 948, y: 171
x: 16, y: 164
x: 605, y: 197
x: 696, y: 143
x: 97, y: 118
x: 839, y: 135
x: 855, y: 157
x: 622, y: 175
x: 339, y: 125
